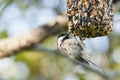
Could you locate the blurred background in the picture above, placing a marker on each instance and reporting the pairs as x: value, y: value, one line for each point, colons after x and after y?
x: 21, y: 16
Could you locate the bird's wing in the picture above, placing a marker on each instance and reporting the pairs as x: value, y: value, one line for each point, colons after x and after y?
x: 80, y: 53
x: 76, y: 49
x: 83, y: 56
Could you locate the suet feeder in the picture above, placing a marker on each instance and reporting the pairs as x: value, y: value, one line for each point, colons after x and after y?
x: 90, y: 18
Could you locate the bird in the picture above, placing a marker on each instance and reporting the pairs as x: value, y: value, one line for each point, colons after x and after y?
x: 75, y: 50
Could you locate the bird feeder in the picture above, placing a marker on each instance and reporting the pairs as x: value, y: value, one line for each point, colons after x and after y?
x: 90, y: 18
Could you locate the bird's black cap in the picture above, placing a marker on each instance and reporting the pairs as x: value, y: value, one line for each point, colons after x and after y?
x: 64, y: 34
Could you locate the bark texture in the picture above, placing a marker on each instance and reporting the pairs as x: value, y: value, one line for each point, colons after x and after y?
x: 11, y: 45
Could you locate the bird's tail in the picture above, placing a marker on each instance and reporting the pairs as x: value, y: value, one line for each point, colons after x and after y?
x: 96, y: 66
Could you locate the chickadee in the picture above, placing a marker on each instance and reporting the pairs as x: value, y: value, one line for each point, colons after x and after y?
x: 74, y: 49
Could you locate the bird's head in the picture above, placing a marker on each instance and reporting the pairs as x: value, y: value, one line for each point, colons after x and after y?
x: 62, y: 37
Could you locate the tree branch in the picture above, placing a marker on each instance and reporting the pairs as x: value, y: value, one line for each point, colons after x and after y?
x: 9, y: 46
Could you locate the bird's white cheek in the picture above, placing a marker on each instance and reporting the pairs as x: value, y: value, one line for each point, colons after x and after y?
x: 59, y: 42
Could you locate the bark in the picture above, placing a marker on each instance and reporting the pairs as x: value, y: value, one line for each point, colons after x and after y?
x: 11, y: 45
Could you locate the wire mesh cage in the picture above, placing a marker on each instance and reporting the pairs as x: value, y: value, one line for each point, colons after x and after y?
x: 90, y: 18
